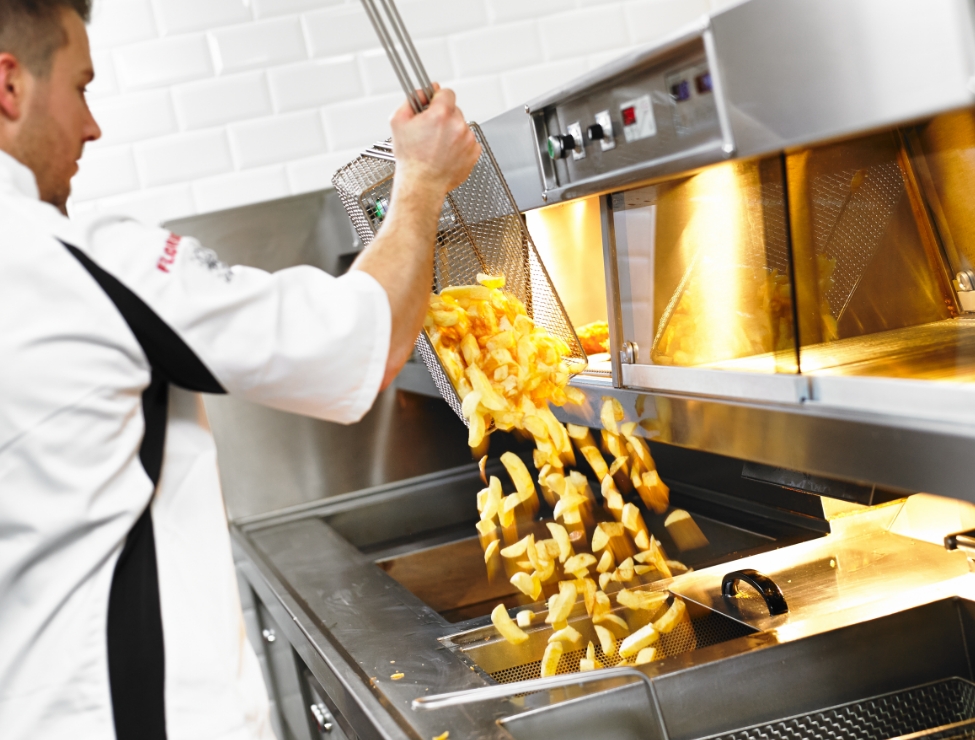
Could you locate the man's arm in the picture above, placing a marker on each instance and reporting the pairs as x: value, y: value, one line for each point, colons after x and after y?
x: 435, y: 152
x: 301, y: 340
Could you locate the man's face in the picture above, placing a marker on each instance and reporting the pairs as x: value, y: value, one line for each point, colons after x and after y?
x: 57, y: 122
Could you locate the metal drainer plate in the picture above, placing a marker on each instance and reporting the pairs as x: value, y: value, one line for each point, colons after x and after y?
x: 708, y: 630
x: 913, y: 710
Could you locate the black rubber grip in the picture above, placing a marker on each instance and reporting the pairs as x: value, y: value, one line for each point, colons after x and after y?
x: 770, y: 592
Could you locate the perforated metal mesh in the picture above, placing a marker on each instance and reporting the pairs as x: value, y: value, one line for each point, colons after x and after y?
x: 481, y: 230
x: 884, y: 717
x: 848, y: 224
x: 708, y: 630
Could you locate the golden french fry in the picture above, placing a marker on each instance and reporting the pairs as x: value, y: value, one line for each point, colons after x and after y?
x: 605, y: 531
x: 611, y: 414
x: 684, y: 531
x: 642, y: 540
x: 560, y: 609
x: 490, y: 281
x: 613, y: 499
x: 566, y: 634
x: 676, y: 614
x: 625, y: 571
x: 647, y: 655
x: 506, y: 626
x: 530, y: 585
x: 601, y: 604
x: 606, y: 563
x: 486, y: 527
x: 571, y: 501
x: 481, y: 465
x: 550, y: 660
x: 525, y: 617
x: 562, y: 539
x: 640, y: 639
x: 550, y: 546
x: 585, y: 664
x: 508, y: 510
x: 470, y: 404
x: 519, y: 548
x: 578, y: 432
x: 482, y: 497
x: 467, y: 292
x: 641, y: 451
x: 607, y: 640
x: 615, y: 624
x: 588, y: 587
x: 579, y: 564
x: 519, y: 475
x: 659, y: 559
x: 596, y: 460
x: 654, y: 492
x: 646, y: 600
x: 491, y: 549
x: 678, y: 568
x: 476, y: 429
x: 575, y: 395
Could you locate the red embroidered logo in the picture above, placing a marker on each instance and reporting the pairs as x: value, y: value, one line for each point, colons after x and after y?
x: 169, y: 253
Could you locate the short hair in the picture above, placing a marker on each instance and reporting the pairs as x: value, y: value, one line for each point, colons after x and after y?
x: 32, y: 31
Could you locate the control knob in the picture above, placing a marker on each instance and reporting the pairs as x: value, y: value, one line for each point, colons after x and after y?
x: 595, y: 132
x: 561, y: 145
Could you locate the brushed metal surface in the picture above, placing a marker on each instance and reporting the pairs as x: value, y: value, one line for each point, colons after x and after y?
x: 799, y: 72
x: 787, y: 73
x: 860, y: 444
x: 510, y: 137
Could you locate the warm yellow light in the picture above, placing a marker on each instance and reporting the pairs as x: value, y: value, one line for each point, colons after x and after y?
x: 568, y: 237
x: 728, y: 304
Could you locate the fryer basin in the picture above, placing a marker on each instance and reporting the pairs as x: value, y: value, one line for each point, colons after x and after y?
x: 942, y: 708
x: 906, y: 675
x: 507, y: 663
x: 426, y: 540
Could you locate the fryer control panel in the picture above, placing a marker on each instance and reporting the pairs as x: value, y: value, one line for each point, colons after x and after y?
x: 658, y: 116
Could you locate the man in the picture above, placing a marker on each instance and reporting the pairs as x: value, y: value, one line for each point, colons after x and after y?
x: 119, y: 614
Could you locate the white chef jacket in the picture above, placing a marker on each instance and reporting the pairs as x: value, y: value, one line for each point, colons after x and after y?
x: 119, y: 611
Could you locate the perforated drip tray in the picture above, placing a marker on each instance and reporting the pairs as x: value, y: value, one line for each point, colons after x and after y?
x: 944, y: 710
x: 507, y: 663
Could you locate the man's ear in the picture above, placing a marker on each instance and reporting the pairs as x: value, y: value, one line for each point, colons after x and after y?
x: 13, y: 85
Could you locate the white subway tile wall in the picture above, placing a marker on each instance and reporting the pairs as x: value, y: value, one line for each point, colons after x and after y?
x: 211, y: 104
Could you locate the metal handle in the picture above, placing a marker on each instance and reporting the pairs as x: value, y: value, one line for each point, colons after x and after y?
x: 501, y: 691
x: 394, y: 21
x: 770, y: 592
x: 964, y: 541
x: 323, y: 718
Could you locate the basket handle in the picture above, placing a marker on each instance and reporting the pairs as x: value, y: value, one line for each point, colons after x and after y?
x: 505, y: 690
x: 394, y: 21
x: 766, y: 587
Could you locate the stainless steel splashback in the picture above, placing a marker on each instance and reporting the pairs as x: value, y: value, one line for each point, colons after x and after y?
x: 759, y: 77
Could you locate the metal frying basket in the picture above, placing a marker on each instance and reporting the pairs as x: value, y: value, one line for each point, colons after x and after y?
x: 943, y: 709
x: 480, y: 229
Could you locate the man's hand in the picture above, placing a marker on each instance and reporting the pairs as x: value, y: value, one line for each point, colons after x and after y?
x: 435, y: 152
x: 435, y: 147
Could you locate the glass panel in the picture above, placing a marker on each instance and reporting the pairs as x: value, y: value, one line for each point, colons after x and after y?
x: 568, y: 237
x: 704, y: 269
x: 871, y: 275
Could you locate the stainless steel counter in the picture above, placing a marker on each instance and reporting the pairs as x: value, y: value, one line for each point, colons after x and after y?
x: 355, y: 627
